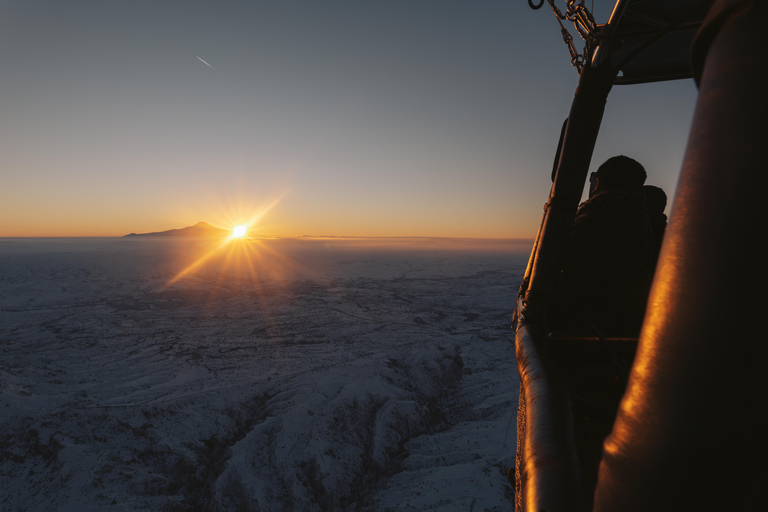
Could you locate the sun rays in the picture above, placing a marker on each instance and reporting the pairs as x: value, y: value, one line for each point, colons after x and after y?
x: 238, y: 251
x: 244, y: 259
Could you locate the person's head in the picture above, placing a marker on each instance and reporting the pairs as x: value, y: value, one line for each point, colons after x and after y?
x: 617, y: 173
x: 655, y: 199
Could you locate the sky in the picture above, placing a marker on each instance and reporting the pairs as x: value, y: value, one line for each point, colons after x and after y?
x: 308, y: 117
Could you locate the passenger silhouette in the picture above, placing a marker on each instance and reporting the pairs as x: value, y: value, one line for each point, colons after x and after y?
x: 606, y: 278
x: 655, y: 203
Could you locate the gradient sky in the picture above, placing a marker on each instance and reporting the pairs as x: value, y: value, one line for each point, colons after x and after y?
x: 367, y: 118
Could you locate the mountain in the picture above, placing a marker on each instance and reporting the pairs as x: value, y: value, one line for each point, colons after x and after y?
x: 201, y: 229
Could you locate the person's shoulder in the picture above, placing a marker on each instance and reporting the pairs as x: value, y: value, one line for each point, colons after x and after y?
x: 607, y: 203
x: 618, y: 200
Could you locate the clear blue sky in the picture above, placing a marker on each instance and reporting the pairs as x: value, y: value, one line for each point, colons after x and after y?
x: 371, y: 118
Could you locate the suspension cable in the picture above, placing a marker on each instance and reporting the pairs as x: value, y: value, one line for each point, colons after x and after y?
x: 577, y: 13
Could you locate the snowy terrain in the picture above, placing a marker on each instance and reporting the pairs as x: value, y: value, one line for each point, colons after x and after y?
x: 273, y: 375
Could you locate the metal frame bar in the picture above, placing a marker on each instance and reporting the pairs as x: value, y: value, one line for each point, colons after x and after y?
x: 547, y: 468
x: 576, y: 154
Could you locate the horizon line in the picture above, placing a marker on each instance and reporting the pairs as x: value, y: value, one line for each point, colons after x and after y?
x: 293, y: 236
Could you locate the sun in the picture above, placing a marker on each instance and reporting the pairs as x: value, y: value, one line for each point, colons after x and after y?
x: 239, y: 231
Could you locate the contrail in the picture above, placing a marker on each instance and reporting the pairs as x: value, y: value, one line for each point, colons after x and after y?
x: 201, y: 60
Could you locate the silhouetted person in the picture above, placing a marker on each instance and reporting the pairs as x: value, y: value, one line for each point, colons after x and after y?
x: 607, y: 275
x: 655, y: 203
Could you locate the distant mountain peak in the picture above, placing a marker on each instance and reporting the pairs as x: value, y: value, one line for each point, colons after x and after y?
x: 201, y: 229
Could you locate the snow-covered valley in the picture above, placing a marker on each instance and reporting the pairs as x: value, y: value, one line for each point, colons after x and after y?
x: 280, y: 375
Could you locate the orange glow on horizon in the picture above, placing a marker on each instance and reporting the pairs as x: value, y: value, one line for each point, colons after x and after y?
x: 294, y: 219
x: 235, y: 247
